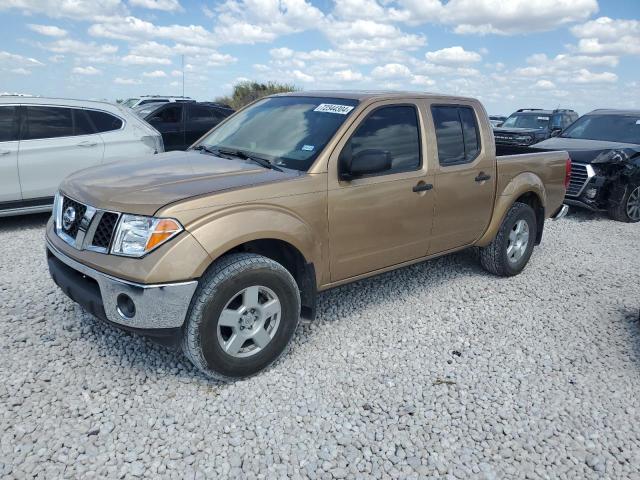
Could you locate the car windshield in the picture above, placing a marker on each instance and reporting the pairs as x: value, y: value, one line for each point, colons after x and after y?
x: 610, y: 128
x: 130, y: 102
x: 144, y: 110
x: 288, y: 131
x: 527, y: 120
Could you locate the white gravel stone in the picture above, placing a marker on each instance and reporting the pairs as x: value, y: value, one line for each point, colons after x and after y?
x: 438, y: 369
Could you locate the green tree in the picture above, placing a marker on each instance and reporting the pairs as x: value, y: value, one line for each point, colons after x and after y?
x: 248, y: 91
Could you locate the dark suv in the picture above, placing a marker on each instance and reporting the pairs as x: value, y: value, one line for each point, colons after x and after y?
x: 532, y: 125
x: 604, y: 146
x: 182, y: 123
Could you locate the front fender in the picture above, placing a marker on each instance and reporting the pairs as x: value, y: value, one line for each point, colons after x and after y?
x: 226, y: 229
x: 518, y: 186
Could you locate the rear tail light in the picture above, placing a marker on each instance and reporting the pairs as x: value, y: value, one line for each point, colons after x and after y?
x: 567, y: 173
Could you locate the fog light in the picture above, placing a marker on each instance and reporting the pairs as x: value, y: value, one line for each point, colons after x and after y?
x: 591, y: 193
x: 126, y: 307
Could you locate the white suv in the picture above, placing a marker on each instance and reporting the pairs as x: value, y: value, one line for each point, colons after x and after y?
x: 145, y: 99
x: 42, y: 140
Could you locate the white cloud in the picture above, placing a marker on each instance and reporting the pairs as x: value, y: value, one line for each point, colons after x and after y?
x: 453, y: 56
x: 48, y: 30
x: 605, y: 35
x: 422, y: 81
x: 281, y: 53
x: 348, y: 75
x: 142, y: 60
x: 545, y: 84
x: 155, y: 74
x: 133, y: 28
x: 127, y: 81
x: 370, y: 37
x: 14, y: 60
x: 89, y: 70
x: 76, y: 9
x: 501, y: 17
x: 563, y: 64
x: 585, y: 76
x: 20, y: 71
x: 391, y: 70
x: 302, y: 77
x: 76, y: 47
x: 252, y: 21
x: 166, y: 5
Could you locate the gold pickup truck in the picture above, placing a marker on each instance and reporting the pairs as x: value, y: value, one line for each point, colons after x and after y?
x: 223, y: 248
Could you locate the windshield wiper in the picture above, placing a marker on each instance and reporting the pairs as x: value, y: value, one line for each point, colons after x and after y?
x: 240, y: 154
x: 204, y: 148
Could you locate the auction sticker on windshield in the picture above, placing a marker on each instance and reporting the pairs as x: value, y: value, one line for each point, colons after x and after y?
x: 333, y: 108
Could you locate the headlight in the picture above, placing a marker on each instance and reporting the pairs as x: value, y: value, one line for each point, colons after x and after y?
x: 57, y: 211
x: 137, y: 235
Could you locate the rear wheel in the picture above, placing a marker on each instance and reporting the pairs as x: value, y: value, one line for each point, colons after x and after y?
x: 510, y: 251
x: 242, y: 318
x: 626, y: 205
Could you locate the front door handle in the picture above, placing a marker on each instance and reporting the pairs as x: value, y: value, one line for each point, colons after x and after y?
x: 4, y: 152
x: 87, y: 144
x: 482, y: 177
x: 422, y: 187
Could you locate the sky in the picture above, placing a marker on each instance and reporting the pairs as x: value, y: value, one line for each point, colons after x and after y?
x: 579, y: 54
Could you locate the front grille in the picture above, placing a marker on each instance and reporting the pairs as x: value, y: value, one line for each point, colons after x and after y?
x: 78, y: 210
x: 579, y: 178
x: 105, y: 230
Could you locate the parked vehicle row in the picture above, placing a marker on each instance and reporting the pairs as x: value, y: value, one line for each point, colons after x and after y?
x: 221, y: 249
x: 528, y: 126
x: 42, y: 140
x: 182, y: 123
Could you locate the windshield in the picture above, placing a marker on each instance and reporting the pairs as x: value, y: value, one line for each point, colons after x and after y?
x: 610, y: 128
x: 130, y: 102
x: 144, y: 110
x: 527, y: 120
x: 288, y: 131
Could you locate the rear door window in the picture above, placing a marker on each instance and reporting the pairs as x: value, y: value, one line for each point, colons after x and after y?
x: 201, y: 113
x: 457, y: 134
x: 47, y: 122
x: 170, y: 113
x: 8, y: 124
x: 104, y: 122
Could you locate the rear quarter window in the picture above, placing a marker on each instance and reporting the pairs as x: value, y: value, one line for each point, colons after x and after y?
x: 104, y: 122
x: 457, y: 134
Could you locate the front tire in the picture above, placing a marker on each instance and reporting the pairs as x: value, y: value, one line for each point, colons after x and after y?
x: 242, y: 317
x: 626, y: 208
x: 510, y: 251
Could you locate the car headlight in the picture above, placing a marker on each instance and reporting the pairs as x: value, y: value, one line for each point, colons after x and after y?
x: 137, y: 235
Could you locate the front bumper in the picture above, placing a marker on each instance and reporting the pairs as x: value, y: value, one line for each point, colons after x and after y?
x: 157, y: 307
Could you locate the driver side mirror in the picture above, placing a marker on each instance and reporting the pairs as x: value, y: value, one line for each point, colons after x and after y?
x: 365, y: 162
x: 555, y: 132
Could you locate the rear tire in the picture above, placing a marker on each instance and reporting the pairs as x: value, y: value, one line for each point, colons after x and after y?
x: 242, y: 317
x: 510, y: 251
x: 626, y: 204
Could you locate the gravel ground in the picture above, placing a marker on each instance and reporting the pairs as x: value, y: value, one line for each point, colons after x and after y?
x: 435, y: 370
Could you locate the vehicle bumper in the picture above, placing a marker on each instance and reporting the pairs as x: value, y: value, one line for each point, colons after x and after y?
x: 562, y: 212
x: 576, y: 202
x: 160, y: 310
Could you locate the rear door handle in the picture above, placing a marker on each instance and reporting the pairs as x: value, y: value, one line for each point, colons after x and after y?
x: 422, y: 187
x: 482, y: 177
x: 87, y: 144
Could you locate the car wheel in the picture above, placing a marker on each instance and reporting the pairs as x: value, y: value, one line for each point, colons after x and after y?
x: 627, y: 206
x: 242, y: 317
x: 509, y: 252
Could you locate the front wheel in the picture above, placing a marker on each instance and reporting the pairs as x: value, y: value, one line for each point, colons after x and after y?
x: 626, y: 208
x: 242, y: 318
x: 509, y: 252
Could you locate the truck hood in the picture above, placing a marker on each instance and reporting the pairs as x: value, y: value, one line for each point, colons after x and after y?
x: 585, y: 151
x: 143, y: 185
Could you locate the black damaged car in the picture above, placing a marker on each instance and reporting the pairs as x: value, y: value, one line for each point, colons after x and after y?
x: 529, y: 126
x: 604, y: 146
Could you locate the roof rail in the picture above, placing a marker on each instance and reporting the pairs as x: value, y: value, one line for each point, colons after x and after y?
x: 529, y: 109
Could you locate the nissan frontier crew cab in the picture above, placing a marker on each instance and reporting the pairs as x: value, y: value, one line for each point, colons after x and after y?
x: 222, y: 248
